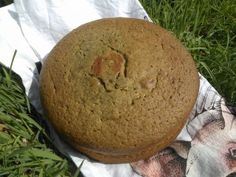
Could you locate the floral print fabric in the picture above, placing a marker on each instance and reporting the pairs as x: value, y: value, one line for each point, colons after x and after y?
x: 206, y: 147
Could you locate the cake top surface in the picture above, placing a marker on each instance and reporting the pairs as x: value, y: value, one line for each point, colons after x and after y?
x: 118, y: 85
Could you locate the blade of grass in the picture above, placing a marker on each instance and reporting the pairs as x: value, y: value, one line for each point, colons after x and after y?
x: 13, y: 57
x: 77, y: 172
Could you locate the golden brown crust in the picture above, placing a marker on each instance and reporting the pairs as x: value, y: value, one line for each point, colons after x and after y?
x: 119, y: 89
x: 131, y: 156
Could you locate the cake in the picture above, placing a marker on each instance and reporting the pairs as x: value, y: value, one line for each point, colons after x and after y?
x: 118, y: 89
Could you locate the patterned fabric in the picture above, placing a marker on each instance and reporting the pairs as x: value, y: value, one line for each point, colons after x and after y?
x: 206, y: 147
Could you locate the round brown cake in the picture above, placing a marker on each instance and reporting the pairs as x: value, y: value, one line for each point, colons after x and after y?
x: 119, y: 89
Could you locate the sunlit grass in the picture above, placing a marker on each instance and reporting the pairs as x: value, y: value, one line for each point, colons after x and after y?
x: 208, y: 30
x: 23, y: 151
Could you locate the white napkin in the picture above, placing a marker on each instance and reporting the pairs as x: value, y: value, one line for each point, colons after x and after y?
x: 45, y: 22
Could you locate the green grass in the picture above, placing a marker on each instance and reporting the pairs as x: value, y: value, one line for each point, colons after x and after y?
x: 21, y: 151
x: 208, y: 29
x: 5, y: 2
